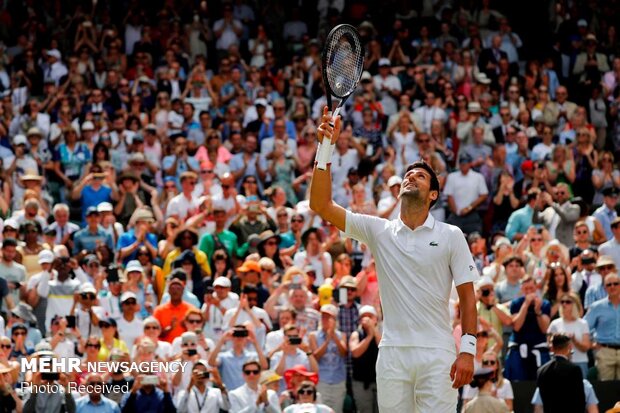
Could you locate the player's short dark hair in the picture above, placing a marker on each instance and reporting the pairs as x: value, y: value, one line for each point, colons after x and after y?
x: 431, y: 172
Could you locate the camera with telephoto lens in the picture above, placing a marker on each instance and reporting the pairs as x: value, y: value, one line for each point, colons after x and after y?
x: 240, y: 333
x: 294, y: 340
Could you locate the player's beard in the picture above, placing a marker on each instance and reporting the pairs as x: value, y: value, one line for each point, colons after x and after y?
x: 412, y: 197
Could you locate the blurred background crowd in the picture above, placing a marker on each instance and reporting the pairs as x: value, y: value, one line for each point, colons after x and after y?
x: 155, y: 159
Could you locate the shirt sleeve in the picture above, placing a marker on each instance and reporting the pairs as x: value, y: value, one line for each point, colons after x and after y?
x: 363, y: 227
x: 462, y: 264
x: 482, y: 186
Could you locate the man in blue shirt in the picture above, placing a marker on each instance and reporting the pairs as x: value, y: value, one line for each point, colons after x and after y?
x: 606, y: 213
x: 94, y: 401
x: 148, y: 397
x: 129, y: 243
x: 527, y: 347
x: 521, y: 219
x: 603, y: 317
x: 94, y: 189
x: 90, y: 237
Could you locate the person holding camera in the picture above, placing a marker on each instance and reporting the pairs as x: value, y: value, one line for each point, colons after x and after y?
x: 149, y: 393
x: 292, y: 352
x: 94, y: 399
x: 197, y: 397
x: 49, y: 401
x: 489, y: 309
x: 85, y: 313
x: 58, y: 287
x: 230, y: 362
x: 527, y: 347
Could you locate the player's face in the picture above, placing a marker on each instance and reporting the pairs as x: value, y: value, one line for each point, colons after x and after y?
x: 417, y: 184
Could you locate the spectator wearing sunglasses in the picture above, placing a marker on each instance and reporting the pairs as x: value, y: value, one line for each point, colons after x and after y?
x: 19, y: 332
x: 502, y: 388
x: 600, y: 318
x: 87, y: 314
x: 307, y: 400
x: 130, y: 325
x: 252, y: 395
x: 605, y: 265
x: 109, y: 338
x: 95, y: 397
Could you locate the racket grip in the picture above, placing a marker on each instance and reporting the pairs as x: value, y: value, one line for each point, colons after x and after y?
x: 333, y: 116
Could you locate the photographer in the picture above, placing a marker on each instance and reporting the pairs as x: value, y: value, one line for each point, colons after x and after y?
x: 148, y: 394
x: 49, y: 399
x: 292, y: 352
x: 58, y: 287
x: 230, y: 362
x: 205, y: 399
x: 489, y: 309
x: 94, y: 400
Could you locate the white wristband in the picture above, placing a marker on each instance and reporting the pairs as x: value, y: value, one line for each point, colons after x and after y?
x: 324, y: 155
x: 468, y: 344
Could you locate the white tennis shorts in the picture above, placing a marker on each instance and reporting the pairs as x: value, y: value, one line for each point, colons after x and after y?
x: 415, y: 379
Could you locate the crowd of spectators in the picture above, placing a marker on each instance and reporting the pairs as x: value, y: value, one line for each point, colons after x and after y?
x: 155, y: 160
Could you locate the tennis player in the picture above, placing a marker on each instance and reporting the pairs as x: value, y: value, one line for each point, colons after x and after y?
x: 417, y: 259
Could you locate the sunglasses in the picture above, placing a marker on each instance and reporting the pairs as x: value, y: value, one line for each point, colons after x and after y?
x: 87, y: 296
x: 249, y: 182
x: 271, y: 243
x: 251, y: 372
x: 489, y: 362
x: 225, y: 186
x: 306, y: 391
x: 567, y: 302
x: 5, y: 346
x: 130, y: 302
x: 297, y: 220
x: 424, y: 140
x: 612, y: 284
x: 606, y: 268
x: 19, y: 334
x: 537, y: 239
x: 151, y: 328
x: 104, y: 325
x: 188, y: 344
x: 582, y: 232
x: 194, y: 321
x: 93, y: 345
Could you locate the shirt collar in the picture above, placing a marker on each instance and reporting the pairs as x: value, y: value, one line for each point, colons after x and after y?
x: 429, y: 223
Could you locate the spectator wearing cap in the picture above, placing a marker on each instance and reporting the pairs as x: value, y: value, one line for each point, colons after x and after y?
x: 55, y: 69
x: 64, y: 228
x: 606, y: 213
x: 38, y: 303
x: 465, y: 128
x: 295, y: 377
x: 170, y: 315
x: 152, y: 328
x: 109, y: 339
x: 130, y: 325
x: 252, y: 395
x: 348, y: 312
x: 605, y: 265
x: 140, y: 235
x: 108, y: 221
x: 20, y: 163
x: 389, y: 207
x: 12, y: 272
x: 558, y: 113
x: 95, y: 188
x: 364, y: 347
x: 216, y: 303
x: 87, y: 314
x: 466, y: 191
x: 22, y: 314
x: 19, y: 332
x: 134, y: 195
x: 521, y: 220
x: 388, y: 85
x: 590, y: 64
x: 612, y: 246
x: 329, y: 347
x: 89, y: 237
x: 136, y: 282
x: 585, y: 273
x: 559, y: 381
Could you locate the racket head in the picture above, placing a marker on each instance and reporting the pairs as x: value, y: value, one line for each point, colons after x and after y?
x: 342, y: 61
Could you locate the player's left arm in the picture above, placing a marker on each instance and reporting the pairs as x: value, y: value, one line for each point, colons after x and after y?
x: 462, y: 370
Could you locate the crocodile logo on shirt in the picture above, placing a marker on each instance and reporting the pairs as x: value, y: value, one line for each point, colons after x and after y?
x: 433, y: 244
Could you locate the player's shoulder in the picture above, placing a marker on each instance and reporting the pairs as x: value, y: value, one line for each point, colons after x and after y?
x: 449, y: 230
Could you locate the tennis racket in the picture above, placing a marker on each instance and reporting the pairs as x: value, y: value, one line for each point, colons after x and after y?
x: 343, y: 63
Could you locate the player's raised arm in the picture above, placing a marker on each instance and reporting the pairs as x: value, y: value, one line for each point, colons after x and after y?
x: 321, y: 200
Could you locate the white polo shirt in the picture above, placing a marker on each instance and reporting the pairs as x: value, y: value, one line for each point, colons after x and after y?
x: 415, y: 270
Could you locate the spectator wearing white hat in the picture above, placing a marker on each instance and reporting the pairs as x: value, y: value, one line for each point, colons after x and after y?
x: 129, y: 325
x: 329, y: 347
x: 108, y: 221
x: 38, y: 303
x: 388, y: 85
x: 364, y: 347
x: 87, y: 314
x: 55, y: 68
x: 389, y: 207
x: 216, y: 303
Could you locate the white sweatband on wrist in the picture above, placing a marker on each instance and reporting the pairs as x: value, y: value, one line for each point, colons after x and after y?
x: 324, y: 155
x: 468, y: 344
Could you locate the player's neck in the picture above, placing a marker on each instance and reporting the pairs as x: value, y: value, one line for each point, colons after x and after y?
x: 413, y: 215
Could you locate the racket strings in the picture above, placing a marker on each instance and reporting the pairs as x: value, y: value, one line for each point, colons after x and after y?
x: 345, y: 62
